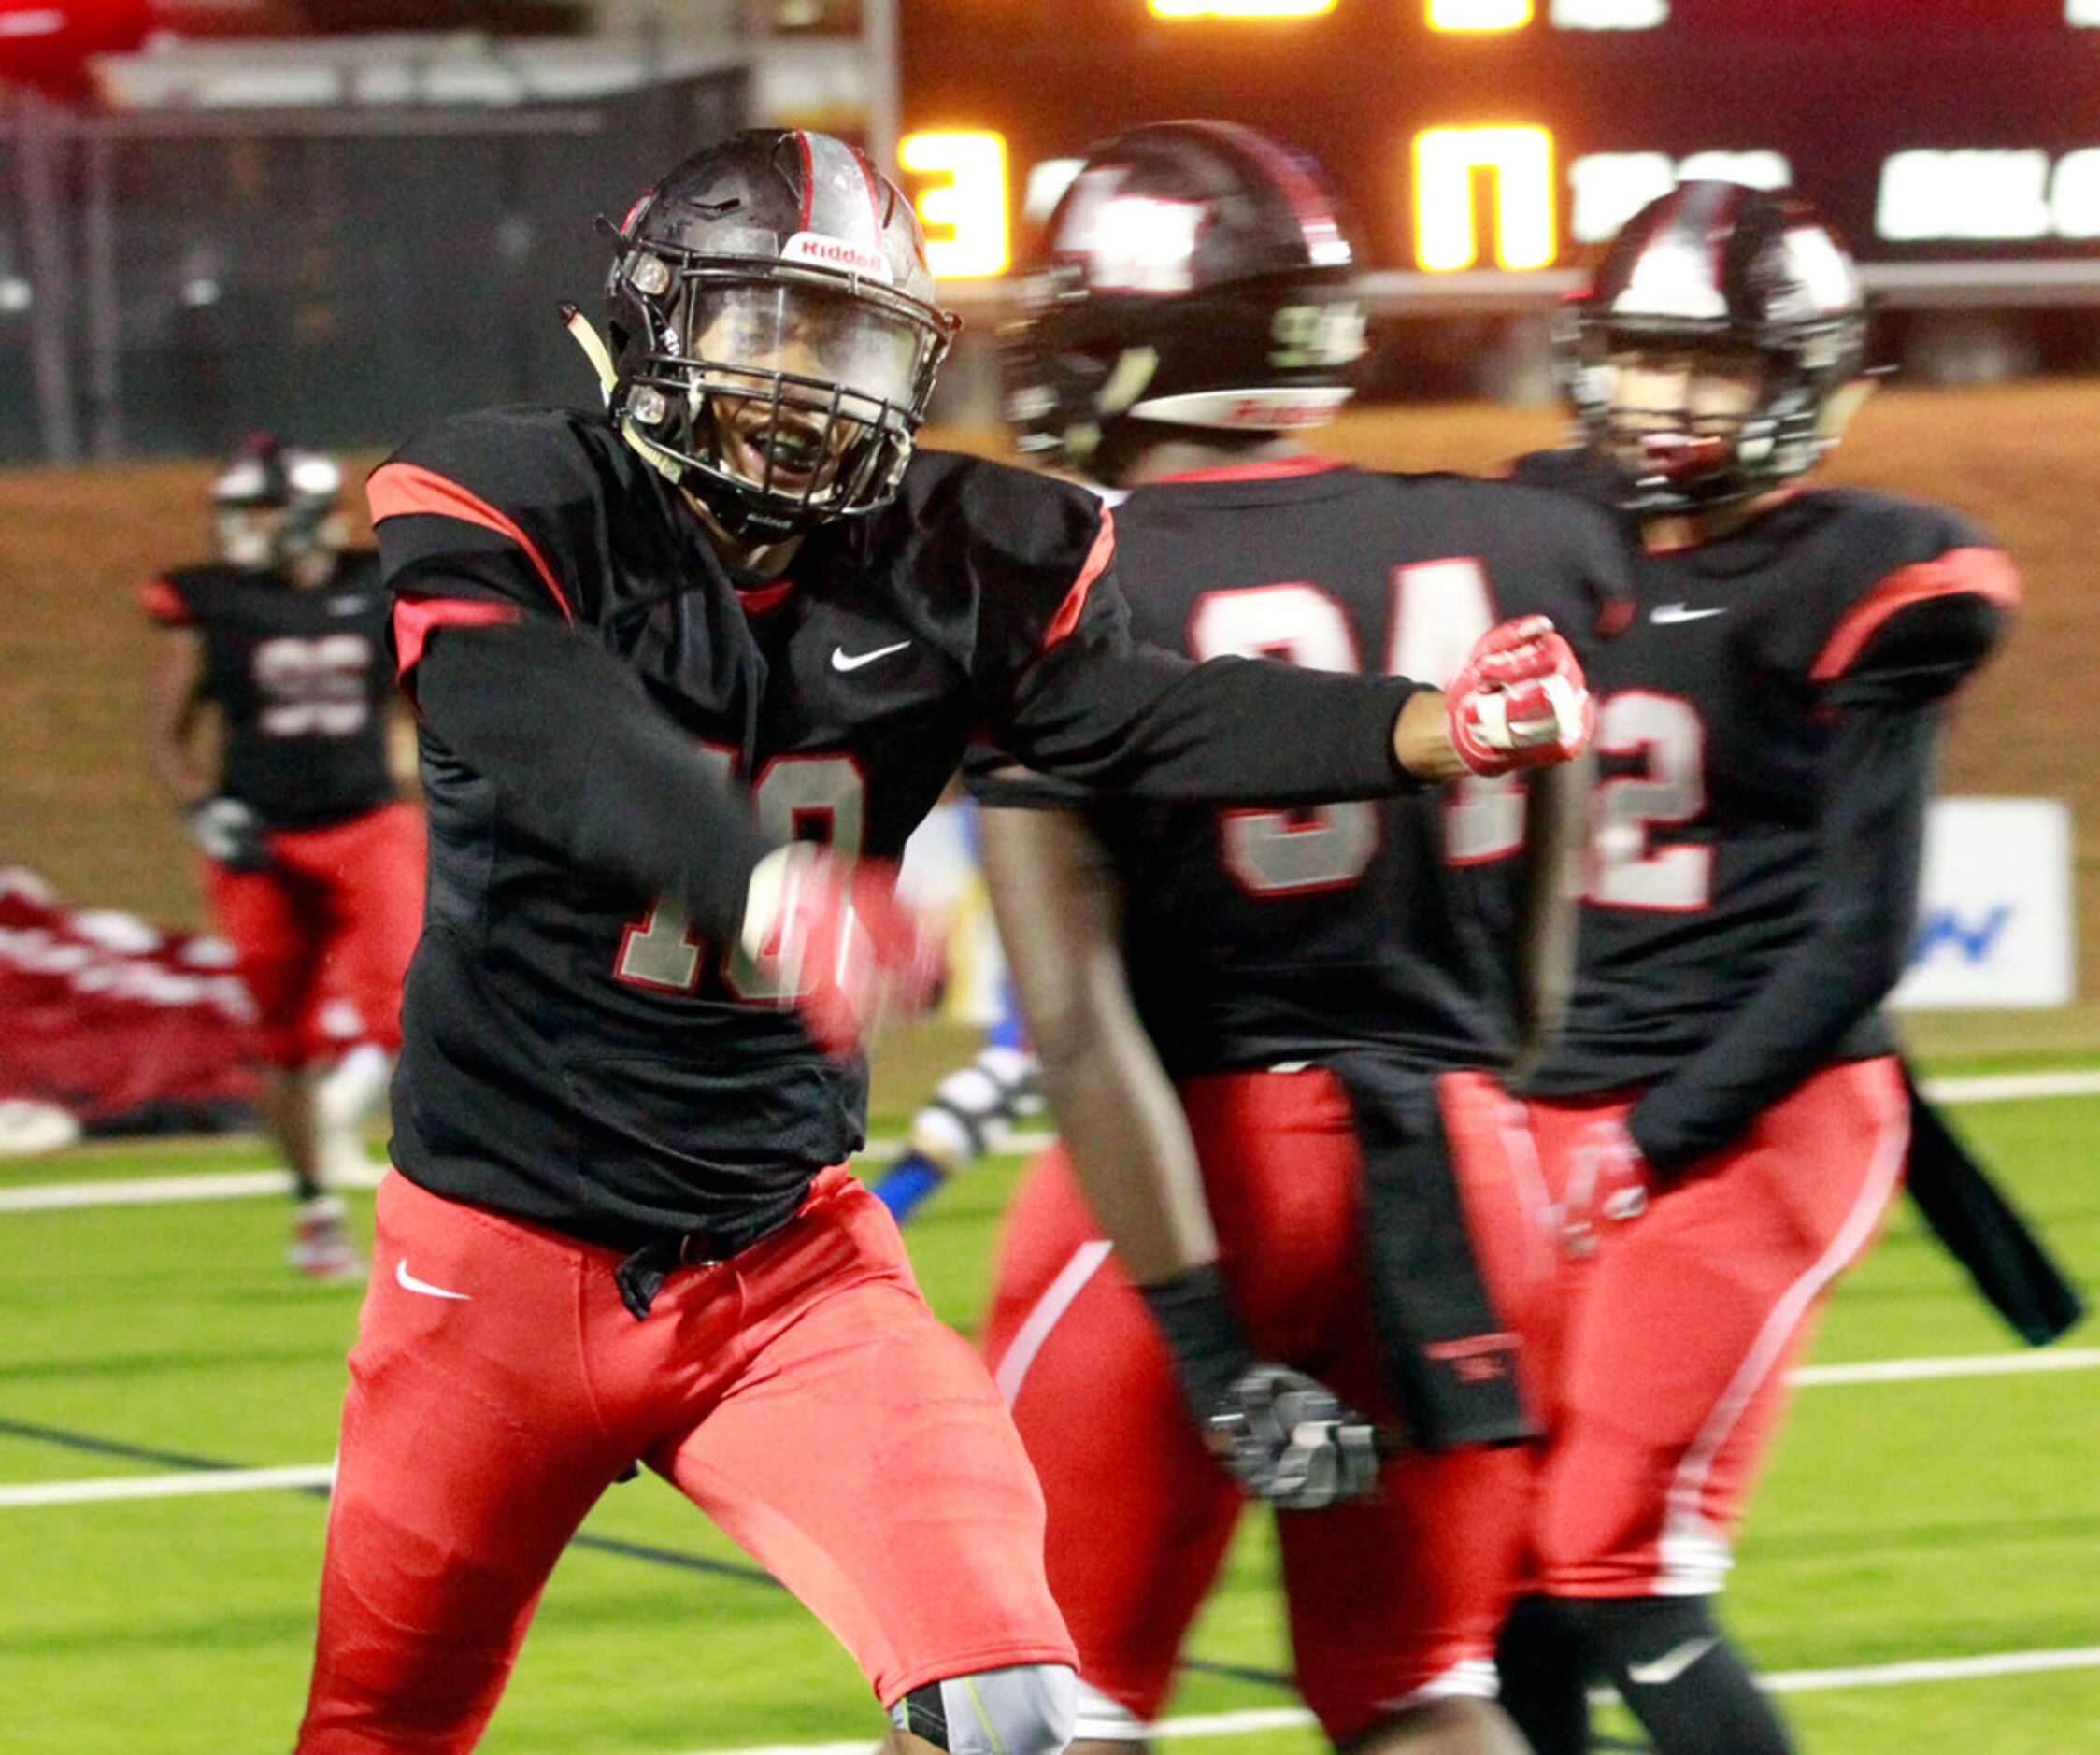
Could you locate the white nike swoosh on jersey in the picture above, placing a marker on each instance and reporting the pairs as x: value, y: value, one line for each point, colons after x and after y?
x: 1671, y: 1665
x: 842, y: 660
x: 1663, y: 615
x: 409, y: 1282
x: 344, y: 605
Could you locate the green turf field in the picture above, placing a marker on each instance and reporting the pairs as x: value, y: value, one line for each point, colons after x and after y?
x: 1928, y: 1521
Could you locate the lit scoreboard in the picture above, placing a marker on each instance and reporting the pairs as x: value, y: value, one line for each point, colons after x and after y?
x: 1470, y: 134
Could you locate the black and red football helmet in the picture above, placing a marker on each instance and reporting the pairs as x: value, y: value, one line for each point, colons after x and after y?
x: 774, y: 332
x: 1719, y: 272
x: 272, y: 502
x: 1194, y: 274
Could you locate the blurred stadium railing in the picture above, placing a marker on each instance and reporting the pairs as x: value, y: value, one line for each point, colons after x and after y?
x: 172, y: 278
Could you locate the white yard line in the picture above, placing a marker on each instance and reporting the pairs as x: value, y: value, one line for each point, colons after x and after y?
x: 1933, y: 1670
x: 248, y: 1184
x: 190, y: 1484
x: 1966, y: 1365
x: 203, y: 1481
x: 1222, y: 1724
x: 2014, y: 1087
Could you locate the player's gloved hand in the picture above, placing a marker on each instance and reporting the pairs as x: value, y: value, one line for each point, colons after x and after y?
x: 1611, y: 1185
x: 1520, y: 701
x: 229, y: 832
x: 1284, y: 1437
x: 839, y: 937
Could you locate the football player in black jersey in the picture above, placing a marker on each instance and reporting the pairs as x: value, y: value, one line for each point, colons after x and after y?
x: 314, y: 862
x: 688, y: 670
x: 1269, y: 1035
x: 1722, y: 1121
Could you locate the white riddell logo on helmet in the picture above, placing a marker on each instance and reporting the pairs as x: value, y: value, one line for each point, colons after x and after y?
x: 836, y: 253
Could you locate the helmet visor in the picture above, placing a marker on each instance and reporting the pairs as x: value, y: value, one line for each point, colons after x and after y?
x: 815, y: 339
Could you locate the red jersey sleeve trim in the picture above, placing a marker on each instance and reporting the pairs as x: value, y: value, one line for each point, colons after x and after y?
x: 1074, y: 605
x: 398, y: 490
x: 163, y: 603
x: 1987, y: 573
x: 416, y: 617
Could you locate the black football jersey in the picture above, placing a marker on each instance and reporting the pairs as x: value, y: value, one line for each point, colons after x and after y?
x: 575, y: 1052
x: 1261, y: 936
x: 302, y: 680
x: 1765, y: 731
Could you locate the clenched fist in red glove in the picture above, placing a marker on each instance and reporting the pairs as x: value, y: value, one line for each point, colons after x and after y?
x: 1520, y: 701
x: 838, y: 938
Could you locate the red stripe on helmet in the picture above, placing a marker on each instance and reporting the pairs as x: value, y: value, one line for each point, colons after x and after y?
x: 808, y: 177
x: 874, y: 181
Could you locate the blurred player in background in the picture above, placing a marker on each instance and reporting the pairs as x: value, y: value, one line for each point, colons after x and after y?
x: 973, y: 1110
x: 1722, y: 1121
x: 1267, y: 1035
x: 659, y: 650
x: 313, y: 860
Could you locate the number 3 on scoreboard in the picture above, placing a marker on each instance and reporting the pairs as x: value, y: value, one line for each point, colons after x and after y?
x: 1438, y: 610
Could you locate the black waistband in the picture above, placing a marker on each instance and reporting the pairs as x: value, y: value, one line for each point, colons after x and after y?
x: 641, y: 1274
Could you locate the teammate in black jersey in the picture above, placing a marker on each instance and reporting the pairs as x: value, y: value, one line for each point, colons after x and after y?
x: 1268, y: 1035
x: 689, y: 671
x: 1722, y: 1123
x: 313, y: 860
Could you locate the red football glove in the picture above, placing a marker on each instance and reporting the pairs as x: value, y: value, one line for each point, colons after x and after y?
x: 1611, y: 1186
x: 1520, y: 701
x: 839, y: 937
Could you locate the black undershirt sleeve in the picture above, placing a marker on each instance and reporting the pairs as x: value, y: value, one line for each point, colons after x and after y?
x: 583, y: 762
x: 1121, y: 717
x: 1877, y: 778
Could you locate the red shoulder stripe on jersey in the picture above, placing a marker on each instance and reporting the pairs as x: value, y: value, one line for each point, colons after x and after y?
x: 416, y: 617
x: 1981, y: 572
x: 1098, y: 557
x: 163, y: 603
x: 764, y: 597
x: 399, y: 490
x: 1281, y: 469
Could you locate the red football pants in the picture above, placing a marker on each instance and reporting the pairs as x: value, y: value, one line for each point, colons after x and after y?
x: 1668, y: 1348
x: 1390, y: 1599
x: 332, y: 920
x: 801, y: 1394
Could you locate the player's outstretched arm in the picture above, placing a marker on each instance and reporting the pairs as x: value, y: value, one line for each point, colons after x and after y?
x: 1281, y: 1434
x: 1114, y: 715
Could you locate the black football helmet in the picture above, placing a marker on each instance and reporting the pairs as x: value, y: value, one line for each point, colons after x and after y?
x: 1719, y: 271
x: 774, y: 334
x: 272, y: 502
x: 1195, y: 273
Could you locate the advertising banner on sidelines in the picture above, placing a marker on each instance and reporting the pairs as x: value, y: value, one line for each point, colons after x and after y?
x: 1995, y: 922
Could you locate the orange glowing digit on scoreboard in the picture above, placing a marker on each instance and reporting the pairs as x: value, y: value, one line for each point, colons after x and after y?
x: 1240, y: 8
x: 1478, y: 15
x: 966, y: 215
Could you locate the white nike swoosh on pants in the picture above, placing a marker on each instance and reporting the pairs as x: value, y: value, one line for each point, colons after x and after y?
x: 1672, y: 1664
x: 409, y: 1282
